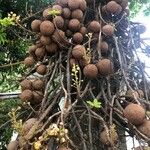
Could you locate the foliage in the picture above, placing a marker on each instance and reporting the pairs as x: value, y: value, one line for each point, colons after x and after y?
x: 136, y: 5
x: 5, y: 124
x: 94, y: 104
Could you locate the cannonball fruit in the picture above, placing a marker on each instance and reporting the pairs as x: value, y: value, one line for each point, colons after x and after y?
x: 58, y: 22
x: 112, y: 7
x: 45, y: 40
x: 38, y: 84
x: 40, y: 53
x: 47, y: 28
x: 46, y: 14
x: 37, y: 97
x: 90, y: 71
x: 41, y: 69
x: 26, y: 96
x: 74, y: 25
x: 105, y: 67
x: 58, y: 36
x: 29, y: 61
x: 105, y: 137
x: 104, y: 47
x: 145, y: 128
x: 35, y: 25
x: 26, y: 84
x: 77, y: 14
x: 57, y: 8
x: 77, y: 38
x: 83, y: 30
x: 66, y: 13
x: 94, y: 26
x: 73, y: 4
x: 62, y: 3
x: 83, y: 5
x: 134, y: 113
x: 108, y: 30
x: 78, y: 51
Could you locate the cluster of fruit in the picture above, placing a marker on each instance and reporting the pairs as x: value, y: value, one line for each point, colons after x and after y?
x: 63, y: 28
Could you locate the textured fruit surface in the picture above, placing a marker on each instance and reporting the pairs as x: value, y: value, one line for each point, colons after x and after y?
x: 134, y: 113
x: 145, y: 128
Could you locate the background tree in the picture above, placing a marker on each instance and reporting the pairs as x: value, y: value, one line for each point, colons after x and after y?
x: 91, y: 100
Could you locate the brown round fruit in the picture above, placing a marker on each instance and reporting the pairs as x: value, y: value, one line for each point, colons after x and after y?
x: 37, y: 97
x: 46, y: 14
x: 77, y: 14
x: 13, y: 145
x: 45, y: 40
x: 58, y: 36
x: 90, y: 71
x: 26, y: 96
x: 145, y: 128
x: 28, y: 125
x: 35, y: 25
x: 58, y: 22
x: 38, y: 84
x: 135, y: 114
x: 83, y: 5
x: 47, y: 28
x: 77, y: 38
x: 66, y: 13
x: 112, y: 7
x: 72, y: 62
x: 29, y: 61
x: 57, y: 8
x: 104, y: 137
x: 40, y: 53
x: 104, y: 47
x: 108, y: 30
x: 74, y: 25
x: 62, y: 3
x: 78, y: 51
x: 26, y: 84
x: 105, y: 67
x: 41, y: 69
x: 73, y: 4
x: 52, y: 48
x: 94, y: 26
x: 83, y: 30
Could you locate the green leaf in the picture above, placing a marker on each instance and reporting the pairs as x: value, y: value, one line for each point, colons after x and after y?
x: 94, y: 104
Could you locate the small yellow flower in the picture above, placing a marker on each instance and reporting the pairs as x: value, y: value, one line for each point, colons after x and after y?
x: 37, y: 145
